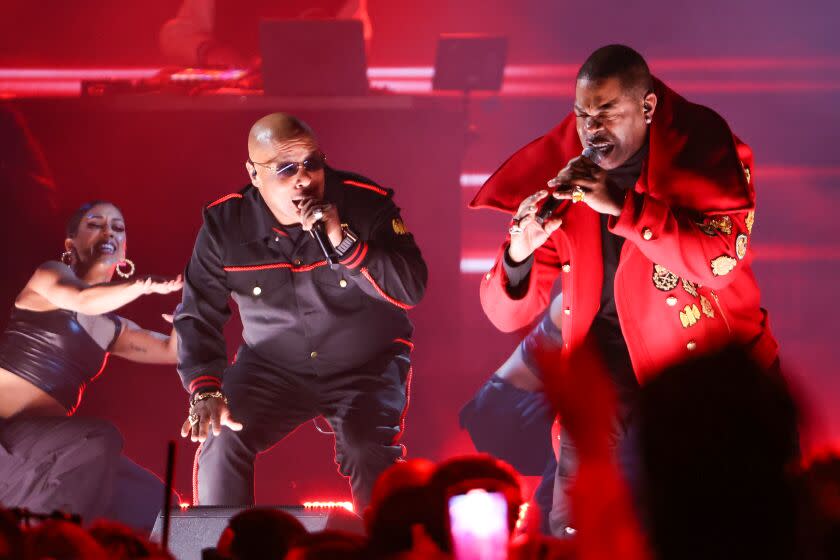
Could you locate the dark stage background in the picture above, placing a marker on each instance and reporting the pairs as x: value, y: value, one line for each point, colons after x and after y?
x: 770, y: 68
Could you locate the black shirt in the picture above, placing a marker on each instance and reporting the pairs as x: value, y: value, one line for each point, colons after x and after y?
x: 606, y: 324
x: 297, y: 313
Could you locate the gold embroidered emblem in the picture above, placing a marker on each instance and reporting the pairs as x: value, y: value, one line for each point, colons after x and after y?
x: 690, y: 287
x: 741, y: 245
x: 399, y: 226
x: 714, y: 224
x: 689, y: 315
x: 664, y: 279
x: 722, y: 223
x: 706, y: 305
x: 749, y: 221
x: 705, y: 226
x: 723, y: 265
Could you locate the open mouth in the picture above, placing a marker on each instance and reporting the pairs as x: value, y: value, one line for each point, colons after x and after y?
x: 603, y: 148
x: 106, y: 247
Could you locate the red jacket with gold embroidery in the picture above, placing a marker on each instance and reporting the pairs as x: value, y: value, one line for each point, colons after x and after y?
x: 683, y: 283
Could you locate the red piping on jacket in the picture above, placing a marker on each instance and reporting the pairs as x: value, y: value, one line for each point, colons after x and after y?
x: 406, y: 342
x: 280, y: 231
x: 197, y: 381
x: 373, y: 188
x: 352, y: 256
x: 358, y: 260
x: 224, y: 198
x: 405, y: 408
x: 382, y: 293
x: 290, y: 266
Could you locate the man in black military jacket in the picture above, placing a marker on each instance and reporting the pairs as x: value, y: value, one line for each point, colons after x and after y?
x: 318, y: 340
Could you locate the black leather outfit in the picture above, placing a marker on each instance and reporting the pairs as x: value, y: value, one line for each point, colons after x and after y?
x: 54, y: 352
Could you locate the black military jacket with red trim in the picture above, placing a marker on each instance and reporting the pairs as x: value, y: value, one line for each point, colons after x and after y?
x: 297, y: 313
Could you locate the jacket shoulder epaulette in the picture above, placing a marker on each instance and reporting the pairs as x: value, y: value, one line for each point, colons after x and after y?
x: 227, y: 205
x: 225, y: 211
x: 223, y: 199
x: 358, y: 185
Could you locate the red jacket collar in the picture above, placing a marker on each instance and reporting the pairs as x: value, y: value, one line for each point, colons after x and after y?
x: 694, y: 160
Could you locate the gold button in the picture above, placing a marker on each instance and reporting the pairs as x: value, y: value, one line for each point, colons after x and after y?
x: 671, y: 300
x: 488, y: 276
x: 257, y: 290
x: 297, y: 262
x: 277, y: 238
x: 647, y: 234
x: 313, y: 354
x: 691, y: 345
x: 567, y: 267
x: 567, y: 311
x: 342, y: 283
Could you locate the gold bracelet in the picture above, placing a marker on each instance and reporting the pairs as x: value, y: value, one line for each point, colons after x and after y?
x: 210, y: 395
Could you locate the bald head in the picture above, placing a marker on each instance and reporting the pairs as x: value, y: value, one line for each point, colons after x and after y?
x: 275, y: 130
x: 286, y: 164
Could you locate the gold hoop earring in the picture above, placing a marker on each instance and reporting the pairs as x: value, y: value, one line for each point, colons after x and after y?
x: 121, y: 273
x: 66, y: 258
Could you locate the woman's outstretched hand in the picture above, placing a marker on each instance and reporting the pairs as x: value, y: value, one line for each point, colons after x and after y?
x: 154, y: 285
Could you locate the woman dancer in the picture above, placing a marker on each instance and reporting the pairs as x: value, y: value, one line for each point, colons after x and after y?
x: 62, y: 329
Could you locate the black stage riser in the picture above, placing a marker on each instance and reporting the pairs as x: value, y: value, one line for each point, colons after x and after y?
x: 195, y: 528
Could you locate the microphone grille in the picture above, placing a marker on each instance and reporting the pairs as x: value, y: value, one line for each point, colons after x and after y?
x: 593, y: 154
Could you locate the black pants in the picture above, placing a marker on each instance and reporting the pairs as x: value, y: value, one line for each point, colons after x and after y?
x: 624, y: 439
x: 624, y: 447
x: 365, y: 408
x: 49, y: 463
x: 74, y: 464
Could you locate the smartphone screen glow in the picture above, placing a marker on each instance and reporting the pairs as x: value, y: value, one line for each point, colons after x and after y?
x: 479, y: 526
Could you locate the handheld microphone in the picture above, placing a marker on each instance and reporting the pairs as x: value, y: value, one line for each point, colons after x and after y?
x: 551, y: 203
x: 320, y: 235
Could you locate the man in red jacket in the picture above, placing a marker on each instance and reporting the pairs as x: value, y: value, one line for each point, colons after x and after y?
x: 649, y: 239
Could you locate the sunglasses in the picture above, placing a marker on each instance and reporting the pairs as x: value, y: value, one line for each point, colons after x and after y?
x: 289, y: 169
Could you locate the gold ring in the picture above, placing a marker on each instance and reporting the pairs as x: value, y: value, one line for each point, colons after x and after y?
x: 578, y: 194
x: 193, y: 418
x: 317, y: 214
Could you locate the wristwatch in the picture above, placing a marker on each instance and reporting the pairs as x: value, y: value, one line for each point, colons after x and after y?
x: 347, y: 241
